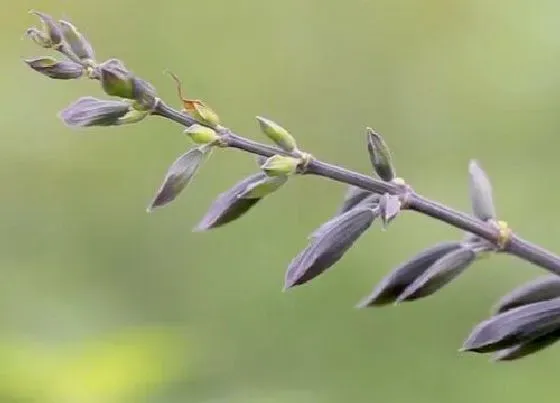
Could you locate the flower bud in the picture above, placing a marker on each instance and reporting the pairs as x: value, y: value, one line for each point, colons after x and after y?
x: 60, y: 70
x: 278, y: 165
x: 89, y: 111
x: 278, y: 134
x: 78, y: 44
x: 197, y: 109
x: 380, y: 156
x: 201, y: 112
x: 39, y: 37
x: 52, y: 31
x: 202, y: 134
x: 116, y: 80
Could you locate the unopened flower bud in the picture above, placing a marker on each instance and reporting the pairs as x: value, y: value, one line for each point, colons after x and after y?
x: 278, y: 165
x: 116, y: 80
x: 89, y: 111
x: 52, y: 30
x: 78, y: 44
x: 39, y: 37
x: 202, y: 134
x: 278, y: 134
x: 61, y: 70
x: 201, y: 112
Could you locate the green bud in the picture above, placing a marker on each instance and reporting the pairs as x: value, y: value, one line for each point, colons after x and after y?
x: 78, y: 44
x: 116, y: 80
x: 279, y: 165
x: 201, y: 112
x: 263, y: 187
x: 202, y: 134
x: 380, y: 156
x: 278, y: 134
x: 52, y: 30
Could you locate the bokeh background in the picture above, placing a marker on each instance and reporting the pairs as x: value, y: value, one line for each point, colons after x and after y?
x: 101, y: 302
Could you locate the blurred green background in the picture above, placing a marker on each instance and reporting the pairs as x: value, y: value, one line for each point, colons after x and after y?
x: 101, y: 302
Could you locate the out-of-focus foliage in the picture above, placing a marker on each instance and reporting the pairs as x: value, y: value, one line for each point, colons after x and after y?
x: 82, y: 263
x: 112, y: 368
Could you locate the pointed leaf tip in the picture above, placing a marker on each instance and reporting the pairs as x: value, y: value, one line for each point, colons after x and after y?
x: 393, y: 285
x: 442, y: 272
x: 518, y: 325
x: 540, y: 289
x: 531, y: 347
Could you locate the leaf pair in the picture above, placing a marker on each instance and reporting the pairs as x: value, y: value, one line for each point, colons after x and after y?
x: 526, y: 321
x: 424, y: 274
x: 229, y: 205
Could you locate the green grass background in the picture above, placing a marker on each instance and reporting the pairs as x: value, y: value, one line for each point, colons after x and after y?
x: 101, y: 302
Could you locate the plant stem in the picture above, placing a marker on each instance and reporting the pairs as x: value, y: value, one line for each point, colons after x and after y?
x: 516, y: 245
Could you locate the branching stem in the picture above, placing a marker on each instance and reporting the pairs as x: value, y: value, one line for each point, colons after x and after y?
x: 516, y: 246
